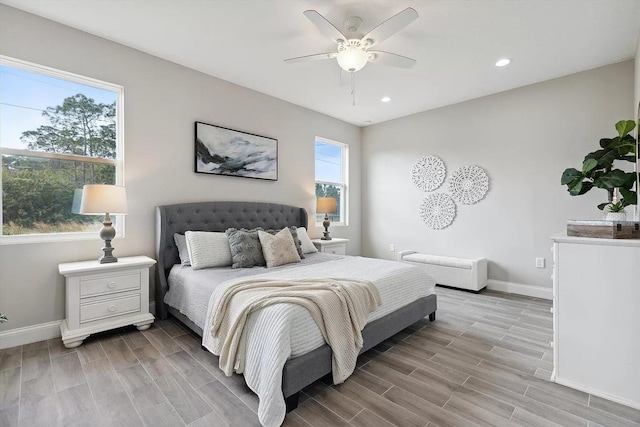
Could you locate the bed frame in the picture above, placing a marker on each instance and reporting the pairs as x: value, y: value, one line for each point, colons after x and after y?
x: 300, y: 371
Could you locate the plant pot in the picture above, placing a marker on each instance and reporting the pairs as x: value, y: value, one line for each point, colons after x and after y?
x: 616, y: 216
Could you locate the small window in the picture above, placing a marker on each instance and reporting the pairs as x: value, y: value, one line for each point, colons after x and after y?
x: 331, y: 178
x: 58, y: 131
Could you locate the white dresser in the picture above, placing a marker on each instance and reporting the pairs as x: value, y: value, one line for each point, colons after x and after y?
x: 101, y: 297
x: 596, y: 316
x: 336, y: 245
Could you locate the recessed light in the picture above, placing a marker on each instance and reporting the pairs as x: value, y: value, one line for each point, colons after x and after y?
x: 385, y: 99
x: 503, y: 62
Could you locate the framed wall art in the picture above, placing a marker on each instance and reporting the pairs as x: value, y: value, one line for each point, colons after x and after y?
x: 222, y: 151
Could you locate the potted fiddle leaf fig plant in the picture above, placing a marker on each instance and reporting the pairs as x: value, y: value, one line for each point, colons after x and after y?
x: 598, y: 170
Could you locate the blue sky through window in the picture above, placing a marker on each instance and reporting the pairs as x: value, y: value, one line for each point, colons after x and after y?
x: 328, y: 162
x: 25, y: 95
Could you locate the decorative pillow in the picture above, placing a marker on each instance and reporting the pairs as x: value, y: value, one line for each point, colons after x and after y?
x: 306, y: 244
x: 296, y: 240
x: 208, y: 249
x: 278, y: 249
x: 183, y: 252
x: 246, y: 250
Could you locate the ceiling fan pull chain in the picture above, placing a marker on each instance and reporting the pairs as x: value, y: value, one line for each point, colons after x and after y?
x: 353, y: 87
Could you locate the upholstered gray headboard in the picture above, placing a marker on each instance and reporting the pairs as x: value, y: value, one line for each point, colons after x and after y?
x: 212, y: 216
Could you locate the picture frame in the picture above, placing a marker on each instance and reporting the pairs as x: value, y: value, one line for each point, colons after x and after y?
x: 230, y: 152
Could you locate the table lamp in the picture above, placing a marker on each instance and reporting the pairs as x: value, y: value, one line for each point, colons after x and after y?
x: 98, y: 199
x: 327, y: 205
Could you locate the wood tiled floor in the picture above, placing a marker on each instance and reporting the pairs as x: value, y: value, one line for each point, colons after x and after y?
x: 485, y: 361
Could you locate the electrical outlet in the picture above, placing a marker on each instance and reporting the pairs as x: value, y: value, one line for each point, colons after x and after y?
x: 539, y: 262
x: 392, y: 247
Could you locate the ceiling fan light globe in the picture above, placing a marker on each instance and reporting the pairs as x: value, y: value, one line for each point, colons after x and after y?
x: 352, y: 59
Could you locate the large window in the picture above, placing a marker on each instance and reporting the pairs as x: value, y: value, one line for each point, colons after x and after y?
x: 331, y: 177
x: 58, y: 131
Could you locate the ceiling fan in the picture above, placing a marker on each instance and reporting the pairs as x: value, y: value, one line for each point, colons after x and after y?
x: 353, y: 50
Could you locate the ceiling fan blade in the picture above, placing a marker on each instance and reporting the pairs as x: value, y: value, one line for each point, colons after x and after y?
x: 307, y: 58
x: 391, y: 59
x: 325, y: 27
x: 390, y: 26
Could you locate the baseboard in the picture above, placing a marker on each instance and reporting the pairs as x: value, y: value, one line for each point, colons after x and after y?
x: 35, y: 333
x: 594, y: 391
x: 29, y: 334
x: 520, y: 289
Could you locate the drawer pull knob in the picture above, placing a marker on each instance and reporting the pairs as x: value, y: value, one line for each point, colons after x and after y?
x: 111, y: 285
x: 112, y: 308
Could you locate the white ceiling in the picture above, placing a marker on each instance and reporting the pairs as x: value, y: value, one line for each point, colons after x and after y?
x: 456, y: 43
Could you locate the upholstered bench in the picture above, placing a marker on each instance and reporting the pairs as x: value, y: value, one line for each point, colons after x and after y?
x: 470, y: 274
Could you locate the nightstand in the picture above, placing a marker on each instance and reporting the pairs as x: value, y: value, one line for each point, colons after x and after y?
x: 101, y: 297
x: 334, y: 246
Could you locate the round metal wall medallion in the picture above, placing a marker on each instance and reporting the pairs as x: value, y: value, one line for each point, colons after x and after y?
x: 428, y: 173
x: 469, y: 184
x: 437, y: 211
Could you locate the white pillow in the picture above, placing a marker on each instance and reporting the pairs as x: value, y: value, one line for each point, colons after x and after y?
x: 208, y: 249
x: 305, y: 242
x: 278, y: 249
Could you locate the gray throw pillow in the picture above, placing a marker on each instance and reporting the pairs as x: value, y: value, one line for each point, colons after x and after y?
x: 246, y: 250
x: 183, y: 252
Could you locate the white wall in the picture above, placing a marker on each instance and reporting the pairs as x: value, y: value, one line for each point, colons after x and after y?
x: 524, y: 139
x: 636, y: 104
x: 162, y: 101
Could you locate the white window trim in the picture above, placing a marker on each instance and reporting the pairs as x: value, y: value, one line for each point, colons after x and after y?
x: 119, y: 222
x: 345, y: 184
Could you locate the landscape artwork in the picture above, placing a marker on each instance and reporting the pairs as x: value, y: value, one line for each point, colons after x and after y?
x: 222, y: 151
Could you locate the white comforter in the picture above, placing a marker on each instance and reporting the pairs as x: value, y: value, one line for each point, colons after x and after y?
x: 272, y: 330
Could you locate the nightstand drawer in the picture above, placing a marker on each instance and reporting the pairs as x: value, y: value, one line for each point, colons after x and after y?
x: 336, y: 246
x: 337, y: 250
x: 110, y: 308
x: 108, y: 284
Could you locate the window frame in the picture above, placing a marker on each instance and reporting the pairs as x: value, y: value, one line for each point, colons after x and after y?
x: 344, y: 202
x: 118, y: 162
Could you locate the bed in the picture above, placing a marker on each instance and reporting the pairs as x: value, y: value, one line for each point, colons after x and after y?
x: 300, y: 370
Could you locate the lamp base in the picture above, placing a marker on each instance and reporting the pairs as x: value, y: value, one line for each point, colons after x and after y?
x: 107, y: 260
x: 107, y: 233
x: 325, y: 223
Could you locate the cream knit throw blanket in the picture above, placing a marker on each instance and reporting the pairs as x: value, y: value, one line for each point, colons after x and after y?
x: 340, y: 308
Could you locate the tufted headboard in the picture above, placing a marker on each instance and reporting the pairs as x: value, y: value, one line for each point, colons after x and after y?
x: 212, y: 216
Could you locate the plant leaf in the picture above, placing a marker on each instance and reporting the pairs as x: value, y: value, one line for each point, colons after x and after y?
x: 575, y: 188
x: 588, y: 165
x: 623, y: 146
x: 602, y: 205
x: 624, y: 127
x: 570, y: 175
x: 604, y: 142
x: 604, y: 157
x: 611, y: 180
x: 631, y: 179
x: 630, y: 197
x: 582, y: 188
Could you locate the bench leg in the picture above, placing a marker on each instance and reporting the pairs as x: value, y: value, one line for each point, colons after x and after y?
x: 291, y: 402
x: 432, y: 316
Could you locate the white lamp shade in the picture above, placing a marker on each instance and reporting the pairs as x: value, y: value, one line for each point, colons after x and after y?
x: 99, y: 199
x: 352, y: 59
x: 326, y: 205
